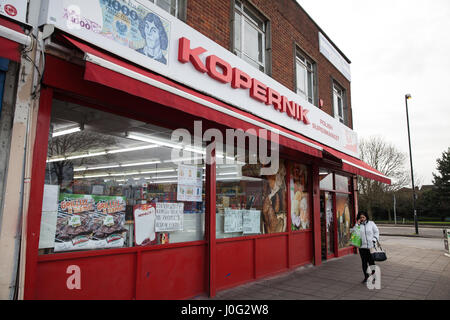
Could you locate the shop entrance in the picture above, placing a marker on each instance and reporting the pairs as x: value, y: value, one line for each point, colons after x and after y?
x: 326, y: 224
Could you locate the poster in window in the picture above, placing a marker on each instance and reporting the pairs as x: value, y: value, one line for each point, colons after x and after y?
x: 232, y: 220
x: 274, y: 201
x: 144, y: 224
x: 169, y: 216
x: 190, y: 183
x: 300, y: 206
x: 251, y: 221
x: 90, y: 222
x: 343, y: 219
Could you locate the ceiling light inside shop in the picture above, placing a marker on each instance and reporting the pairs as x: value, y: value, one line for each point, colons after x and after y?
x: 65, y: 131
x: 145, y: 138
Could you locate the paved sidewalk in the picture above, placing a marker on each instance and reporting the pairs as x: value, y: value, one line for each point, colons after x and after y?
x: 416, y: 269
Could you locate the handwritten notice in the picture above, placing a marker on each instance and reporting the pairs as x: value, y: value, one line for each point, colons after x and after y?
x: 190, y: 184
x: 251, y: 221
x: 232, y: 221
x: 169, y: 217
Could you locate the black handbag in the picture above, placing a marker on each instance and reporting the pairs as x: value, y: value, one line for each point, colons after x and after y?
x: 379, y: 254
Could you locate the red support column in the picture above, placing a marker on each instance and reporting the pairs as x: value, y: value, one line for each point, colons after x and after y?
x: 211, y: 219
x: 33, y: 221
x: 355, y: 204
x: 316, y: 215
x: 288, y: 209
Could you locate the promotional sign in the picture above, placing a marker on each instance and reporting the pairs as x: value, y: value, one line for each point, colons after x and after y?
x: 89, y: 222
x: 169, y: 216
x: 251, y: 221
x: 190, y: 184
x: 144, y: 223
x: 49, y: 216
x: 141, y: 32
x: 232, y: 220
x: 14, y: 9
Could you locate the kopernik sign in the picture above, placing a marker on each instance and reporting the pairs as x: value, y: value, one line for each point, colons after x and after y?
x: 141, y: 32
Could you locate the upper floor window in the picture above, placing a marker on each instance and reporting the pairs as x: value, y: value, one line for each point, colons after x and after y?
x: 339, y: 104
x: 305, y: 77
x: 174, y: 7
x: 250, y: 35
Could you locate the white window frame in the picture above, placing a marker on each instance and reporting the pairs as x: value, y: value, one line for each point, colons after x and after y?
x: 302, y: 61
x: 339, y: 95
x: 239, y: 10
x: 175, y: 6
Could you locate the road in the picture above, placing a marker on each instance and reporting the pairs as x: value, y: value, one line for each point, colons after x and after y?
x: 427, y: 232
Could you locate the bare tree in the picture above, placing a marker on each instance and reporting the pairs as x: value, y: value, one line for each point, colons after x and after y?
x: 75, y: 143
x: 388, y: 160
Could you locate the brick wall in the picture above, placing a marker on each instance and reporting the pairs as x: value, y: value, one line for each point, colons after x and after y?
x: 290, y: 27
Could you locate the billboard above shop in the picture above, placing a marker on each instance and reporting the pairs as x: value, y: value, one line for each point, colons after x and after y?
x: 141, y: 32
x: 14, y: 9
x: 330, y: 52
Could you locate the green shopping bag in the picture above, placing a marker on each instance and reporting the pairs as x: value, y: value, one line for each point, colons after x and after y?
x: 356, y: 237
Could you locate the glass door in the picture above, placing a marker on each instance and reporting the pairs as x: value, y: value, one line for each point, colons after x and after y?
x: 327, y: 224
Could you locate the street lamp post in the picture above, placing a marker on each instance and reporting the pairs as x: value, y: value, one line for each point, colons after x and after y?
x: 408, y: 96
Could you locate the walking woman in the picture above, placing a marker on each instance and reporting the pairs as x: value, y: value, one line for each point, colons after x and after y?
x: 369, y: 236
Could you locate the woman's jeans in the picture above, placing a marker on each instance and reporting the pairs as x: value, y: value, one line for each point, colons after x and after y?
x: 366, y: 259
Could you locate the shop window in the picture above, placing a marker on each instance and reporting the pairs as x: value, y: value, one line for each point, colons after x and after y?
x: 176, y: 8
x: 342, y: 183
x: 114, y: 182
x: 339, y: 104
x: 300, y: 197
x: 305, y: 77
x: 343, y: 213
x: 249, y: 203
x: 326, y: 179
x: 251, y: 36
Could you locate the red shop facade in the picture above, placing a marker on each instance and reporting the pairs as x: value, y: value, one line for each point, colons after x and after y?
x: 120, y: 210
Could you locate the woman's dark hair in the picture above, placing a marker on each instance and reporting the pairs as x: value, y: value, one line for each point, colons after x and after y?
x: 151, y: 17
x: 362, y: 213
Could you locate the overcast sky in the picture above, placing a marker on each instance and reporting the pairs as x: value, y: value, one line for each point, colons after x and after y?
x: 396, y: 47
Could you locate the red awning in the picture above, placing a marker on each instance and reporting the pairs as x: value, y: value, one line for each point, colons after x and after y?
x: 354, y: 165
x: 10, y: 49
x: 113, y: 72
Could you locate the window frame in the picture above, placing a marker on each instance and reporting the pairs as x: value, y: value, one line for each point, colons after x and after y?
x: 301, y: 58
x: 177, y: 7
x: 338, y: 91
x: 238, y: 7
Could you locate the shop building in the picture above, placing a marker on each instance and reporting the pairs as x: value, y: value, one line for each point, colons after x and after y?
x: 181, y: 149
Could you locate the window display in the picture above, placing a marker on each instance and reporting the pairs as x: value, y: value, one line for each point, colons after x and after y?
x: 249, y: 203
x: 116, y: 184
x: 343, y: 213
x: 300, y: 197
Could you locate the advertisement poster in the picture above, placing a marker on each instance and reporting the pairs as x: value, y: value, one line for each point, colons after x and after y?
x: 14, y: 9
x: 89, y: 222
x: 190, y: 184
x: 300, y: 207
x: 144, y: 223
x: 343, y: 219
x: 251, y: 222
x: 274, y: 201
x: 127, y: 23
x: 232, y: 220
x: 169, y: 217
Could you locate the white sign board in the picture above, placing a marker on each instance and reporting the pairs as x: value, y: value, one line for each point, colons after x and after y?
x: 169, y: 216
x: 251, y: 221
x: 49, y: 216
x: 232, y: 220
x: 14, y: 9
x: 118, y: 26
x: 330, y: 52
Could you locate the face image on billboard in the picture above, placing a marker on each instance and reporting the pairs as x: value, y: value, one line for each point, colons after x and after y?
x: 128, y: 23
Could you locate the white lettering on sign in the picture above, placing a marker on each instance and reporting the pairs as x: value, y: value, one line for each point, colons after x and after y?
x: 74, y: 280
